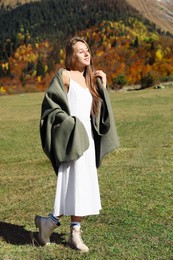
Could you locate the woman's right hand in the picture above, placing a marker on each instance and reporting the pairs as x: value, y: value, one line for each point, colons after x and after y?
x: 102, y: 75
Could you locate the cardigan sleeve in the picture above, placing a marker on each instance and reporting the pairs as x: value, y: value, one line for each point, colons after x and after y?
x: 63, y: 137
x: 104, y: 128
x: 102, y: 122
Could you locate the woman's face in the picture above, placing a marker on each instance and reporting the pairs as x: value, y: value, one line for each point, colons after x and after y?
x: 81, y: 55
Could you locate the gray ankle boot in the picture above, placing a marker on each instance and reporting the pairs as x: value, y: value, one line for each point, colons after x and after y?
x: 75, y: 240
x: 46, y: 227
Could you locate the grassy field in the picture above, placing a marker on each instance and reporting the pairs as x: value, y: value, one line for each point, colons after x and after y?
x: 136, y: 182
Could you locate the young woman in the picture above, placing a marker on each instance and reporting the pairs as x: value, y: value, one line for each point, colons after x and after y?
x: 77, y: 130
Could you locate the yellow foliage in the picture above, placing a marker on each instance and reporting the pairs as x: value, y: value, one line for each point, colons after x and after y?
x: 109, y: 46
x: 167, y: 50
x: 104, y: 37
x: 16, y: 55
x: 25, y: 58
x: 29, y: 47
x: 46, y: 44
x: 34, y: 73
x: 111, y: 25
x: 159, y: 54
x: 87, y: 34
x: 37, y: 45
x: 27, y: 77
x: 22, y: 50
x: 99, y: 53
x: 103, y: 30
x: 46, y: 68
x: 154, y: 37
x: 21, y: 36
x: 2, y: 90
x: 38, y: 78
x: 61, y: 53
x: 33, y: 57
x: 5, y: 66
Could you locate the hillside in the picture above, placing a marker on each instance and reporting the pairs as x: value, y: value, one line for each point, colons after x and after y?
x: 57, y: 19
x: 129, y: 48
x: 128, y: 53
x: 14, y: 3
x: 158, y: 11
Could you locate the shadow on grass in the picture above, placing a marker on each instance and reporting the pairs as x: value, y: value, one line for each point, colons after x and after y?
x: 18, y: 235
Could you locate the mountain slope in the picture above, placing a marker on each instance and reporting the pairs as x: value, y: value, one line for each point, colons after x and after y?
x: 13, y: 3
x: 158, y: 11
x: 125, y: 45
x: 128, y: 53
x: 61, y: 18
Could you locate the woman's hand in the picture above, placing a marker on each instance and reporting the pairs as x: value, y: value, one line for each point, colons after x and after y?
x: 102, y: 75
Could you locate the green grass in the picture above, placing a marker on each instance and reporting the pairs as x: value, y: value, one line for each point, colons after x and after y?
x: 136, y: 182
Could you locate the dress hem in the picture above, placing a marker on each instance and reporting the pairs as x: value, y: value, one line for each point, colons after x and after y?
x: 76, y: 214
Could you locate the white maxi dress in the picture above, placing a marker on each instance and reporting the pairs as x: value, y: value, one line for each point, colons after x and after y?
x: 77, y: 189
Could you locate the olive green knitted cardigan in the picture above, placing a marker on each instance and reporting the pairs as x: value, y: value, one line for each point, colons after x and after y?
x: 63, y: 136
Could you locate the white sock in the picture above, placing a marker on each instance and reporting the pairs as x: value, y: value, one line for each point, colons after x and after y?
x: 55, y: 219
x: 74, y: 224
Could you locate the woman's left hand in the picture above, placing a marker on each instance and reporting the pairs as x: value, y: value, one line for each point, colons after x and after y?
x: 102, y: 75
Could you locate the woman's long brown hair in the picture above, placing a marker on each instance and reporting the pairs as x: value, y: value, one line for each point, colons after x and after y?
x: 89, y: 71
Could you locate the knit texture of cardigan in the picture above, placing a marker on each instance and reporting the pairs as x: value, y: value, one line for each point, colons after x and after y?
x: 64, y: 137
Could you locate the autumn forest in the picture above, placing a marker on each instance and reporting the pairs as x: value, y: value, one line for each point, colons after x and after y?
x: 131, y: 50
